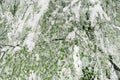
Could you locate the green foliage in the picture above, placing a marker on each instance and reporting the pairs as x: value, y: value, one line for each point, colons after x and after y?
x: 52, y: 57
x: 88, y: 74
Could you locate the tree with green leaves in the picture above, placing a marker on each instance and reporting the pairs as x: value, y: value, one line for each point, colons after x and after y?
x: 59, y: 39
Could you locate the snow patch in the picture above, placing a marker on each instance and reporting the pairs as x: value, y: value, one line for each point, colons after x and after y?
x: 93, y: 1
x: 17, y: 49
x: 71, y: 35
x: 33, y: 76
x: 73, y: 2
x: 76, y: 10
x: 77, y: 62
x: 97, y: 11
x: 29, y: 41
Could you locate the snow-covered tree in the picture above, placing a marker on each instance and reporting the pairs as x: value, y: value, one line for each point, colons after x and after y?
x: 59, y: 39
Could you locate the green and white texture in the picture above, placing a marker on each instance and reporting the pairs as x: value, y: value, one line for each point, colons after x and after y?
x: 59, y: 39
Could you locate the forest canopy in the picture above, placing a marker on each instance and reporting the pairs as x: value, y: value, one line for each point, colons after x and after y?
x: 59, y: 39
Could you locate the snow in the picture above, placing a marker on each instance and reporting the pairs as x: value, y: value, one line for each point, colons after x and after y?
x: 76, y: 10
x: 113, y: 74
x: 17, y: 48
x: 25, y: 32
x: 117, y: 27
x: 37, y: 57
x: 29, y: 41
x: 73, y: 2
x: 9, y: 35
x: 33, y: 76
x: 29, y: 10
x: 32, y: 23
x: 93, y: 1
x: 97, y: 10
x: 71, y: 35
x: 4, y: 49
x: 77, y: 62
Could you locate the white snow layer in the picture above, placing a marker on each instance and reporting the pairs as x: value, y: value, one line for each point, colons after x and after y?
x: 97, y: 11
x: 76, y: 9
x: 43, y: 4
x: 31, y: 21
x: 33, y: 76
x: 93, y: 1
x: 77, y: 62
x: 29, y: 41
x: 71, y: 35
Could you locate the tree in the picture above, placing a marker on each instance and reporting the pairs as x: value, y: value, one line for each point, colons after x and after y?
x: 59, y: 39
